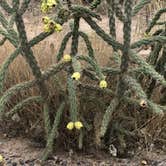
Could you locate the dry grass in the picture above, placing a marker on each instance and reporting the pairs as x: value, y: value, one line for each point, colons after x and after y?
x: 45, y: 53
x: 148, y: 14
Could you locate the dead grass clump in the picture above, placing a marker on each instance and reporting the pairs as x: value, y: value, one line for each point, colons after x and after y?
x: 45, y: 52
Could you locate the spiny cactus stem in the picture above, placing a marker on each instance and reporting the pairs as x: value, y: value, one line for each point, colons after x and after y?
x: 19, y: 107
x: 26, y: 85
x: 75, y: 36
x: 28, y: 54
x: 63, y: 45
x: 160, y: 39
x: 155, y: 19
x: 102, y: 34
x: 94, y: 4
x: 118, y: 11
x: 83, y: 11
x: 139, y: 6
x: 111, y: 13
x: 126, y: 36
x: 53, y: 133
x: 24, y: 6
x: 88, y: 44
x: 6, y: 6
x: 72, y: 99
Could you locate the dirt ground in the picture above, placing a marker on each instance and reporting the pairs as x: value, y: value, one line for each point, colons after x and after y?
x: 20, y: 151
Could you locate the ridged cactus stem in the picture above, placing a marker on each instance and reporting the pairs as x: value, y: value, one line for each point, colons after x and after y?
x: 28, y: 54
x: 126, y: 36
x: 75, y: 37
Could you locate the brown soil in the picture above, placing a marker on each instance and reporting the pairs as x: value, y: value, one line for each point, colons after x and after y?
x: 19, y: 151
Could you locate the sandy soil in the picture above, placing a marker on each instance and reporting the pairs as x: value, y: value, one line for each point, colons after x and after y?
x: 19, y: 151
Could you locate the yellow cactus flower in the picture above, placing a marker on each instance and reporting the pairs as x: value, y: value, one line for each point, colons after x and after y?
x: 44, y: 7
x: 47, y: 28
x: 66, y: 58
x: 1, y: 158
x: 58, y: 27
x: 78, y: 125
x: 47, y: 5
x: 146, y: 35
x: 70, y: 126
x: 50, y: 25
x: 46, y: 20
x: 76, y: 76
x: 103, y: 84
x: 51, y: 3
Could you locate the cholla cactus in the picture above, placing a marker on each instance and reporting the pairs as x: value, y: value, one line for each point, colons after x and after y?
x: 128, y: 75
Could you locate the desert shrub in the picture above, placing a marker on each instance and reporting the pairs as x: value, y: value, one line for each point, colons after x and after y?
x: 85, y: 103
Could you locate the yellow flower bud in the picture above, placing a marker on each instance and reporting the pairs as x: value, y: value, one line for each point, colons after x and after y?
x: 47, y: 28
x: 58, y: 27
x: 1, y: 158
x: 51, y: 3
x: 146, y: 35
x: 70, y: 126
x: 46, y: 20
x: 76, y: 76
x: 78, y: 125
x: 44, y: 7
x: 103, y: 84
x: 66, y: 58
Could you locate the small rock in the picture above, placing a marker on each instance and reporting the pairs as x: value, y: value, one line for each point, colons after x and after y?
x: 113, y: 150
x: 21, y: 162
x: 64, y: 163
x: 16, y: 118
x: 30, y: 164
x: 103, y: 163
x: 144, y: 162
x: 9, y: 162
x: 14, y: 164
x: 78, y: 163
x: 37, y: 163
